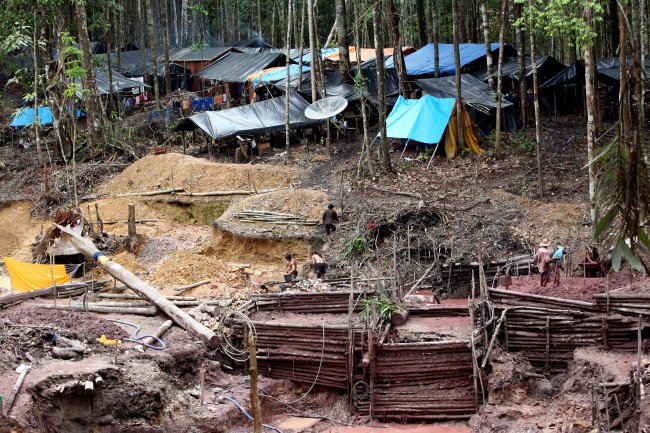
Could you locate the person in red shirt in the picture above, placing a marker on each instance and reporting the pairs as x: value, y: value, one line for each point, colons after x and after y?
x: 542, y: 258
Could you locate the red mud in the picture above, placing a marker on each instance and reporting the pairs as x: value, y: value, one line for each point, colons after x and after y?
x: 398, y: 428
x: 579, y: 288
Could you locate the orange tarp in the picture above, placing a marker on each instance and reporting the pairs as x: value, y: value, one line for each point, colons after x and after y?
x: 366, y: 53
x: 470, y: 134
x: 26, y: 277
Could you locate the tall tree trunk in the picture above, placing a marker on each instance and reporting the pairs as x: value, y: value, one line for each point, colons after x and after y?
x: 165, y: 41
x: 152, y: 47
x: 87, y: 63
x: 39, y: 151
x: 364, y: 96
x: 174, y: 25
x: 521, y: 62
x: 258, y: 13
x: 504, y: 17
x: 342, y: 32
x: 301, y: 50
x: 436, y: 38
x: 184, y: 22
x: 143, y: 36
x: 486, y: 37
x: 642, y: 47
x: 422, y: 28
x: 614, y: 25
x: 273, y: 21
x: 624, y: 94
x: 460, y: 137
x: 112, y: 102
x: 312, y: 50
x: 538, y: 126
x: 591, y: 135
x: 384, y: 156
x: 398, y: 56
x: 287, y: 92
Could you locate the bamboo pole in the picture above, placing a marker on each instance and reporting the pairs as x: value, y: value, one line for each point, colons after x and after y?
x: 148, y: 292
x: 255, y: 400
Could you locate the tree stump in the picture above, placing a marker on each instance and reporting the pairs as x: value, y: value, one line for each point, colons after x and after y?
x: 132, y: 237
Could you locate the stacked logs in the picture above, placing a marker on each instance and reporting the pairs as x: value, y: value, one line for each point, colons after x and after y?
x: 548, y: 330
x: 461, y: 273
x: 300, y: 353
x: 308, y: 302
x: 624, y: 303
x: 422, y: 381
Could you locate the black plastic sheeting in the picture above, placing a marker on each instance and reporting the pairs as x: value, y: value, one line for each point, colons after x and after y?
x: 547, y: 67
x: 477, y: 96
x: 369, y: 72
x: 258, y: 118
x: 132, y: 66
x: 180, y: 55
x: 236, y: 67
x: 333, y: 86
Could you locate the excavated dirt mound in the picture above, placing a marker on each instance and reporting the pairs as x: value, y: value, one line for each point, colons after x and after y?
x: 10, y: 425
x: 18, y: 230
x: 305, y: 203
x: 174, y: 170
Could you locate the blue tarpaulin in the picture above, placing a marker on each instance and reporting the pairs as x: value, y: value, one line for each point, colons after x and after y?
x: 25, y: 117
x: 279, y: 74
x: 421, y: 62
x: 306, y: 58
x: 423, y: 120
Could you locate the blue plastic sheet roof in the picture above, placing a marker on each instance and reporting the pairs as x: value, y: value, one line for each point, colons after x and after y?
x: 306, y: 58
x: 25, y: 117
x: 421, y: 62
x: 279, y: 74
x: 423, y: 120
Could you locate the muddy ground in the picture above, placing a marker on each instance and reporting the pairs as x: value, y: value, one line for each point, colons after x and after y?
x: 449, y: 206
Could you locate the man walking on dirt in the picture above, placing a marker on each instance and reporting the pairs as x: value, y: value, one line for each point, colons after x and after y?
x: 329, y: 218
x: 542, y: 258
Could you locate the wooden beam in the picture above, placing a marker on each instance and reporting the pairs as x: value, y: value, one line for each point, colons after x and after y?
x: 180, y: 317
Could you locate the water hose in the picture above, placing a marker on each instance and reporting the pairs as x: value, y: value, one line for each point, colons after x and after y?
x: 134, y: 338
x: 250, y: 418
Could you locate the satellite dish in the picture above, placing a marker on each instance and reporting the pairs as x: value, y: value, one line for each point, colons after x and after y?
x: 326, y: 108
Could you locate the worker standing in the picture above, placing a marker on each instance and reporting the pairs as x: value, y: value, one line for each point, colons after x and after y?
x: 330, y: 217
x: 320, y: 266
x: 292, y: 267
x: 542, y: 258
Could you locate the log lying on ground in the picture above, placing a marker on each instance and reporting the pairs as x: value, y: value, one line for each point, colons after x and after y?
x: 93, y: 308
x: 59, y: 290
x: 159, y: 333
x: 179, y: 316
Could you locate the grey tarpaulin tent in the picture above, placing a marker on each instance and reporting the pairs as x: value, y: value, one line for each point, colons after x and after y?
x: 477, y: 95
x: 237, y: 67
x: 547, y: 67
x: 119, y: 82
x: 258, y: 118
x: 333, y: 86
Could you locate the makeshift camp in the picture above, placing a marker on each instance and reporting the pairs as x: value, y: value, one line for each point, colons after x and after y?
x: 25, y: 117
x: 259, y: 118
x: 26, y: 277
x: 333, y: 86
x: 547, y: 67
x: 272, y: 75
x: 421, y: 62
x: 194, y: 60
x: 479, y: 99
x: 120, y: 84
x: 427, y: 119
x: 236, y: 67
x: 369, y: 72
x: 131, y: 66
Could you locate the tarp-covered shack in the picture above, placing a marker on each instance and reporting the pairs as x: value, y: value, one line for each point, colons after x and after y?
x: 427, y: 120
x: 421, y: 62
x: 236, y: 67
x: 547, y: 67
x: 259, y: 118
x: 477, y: 96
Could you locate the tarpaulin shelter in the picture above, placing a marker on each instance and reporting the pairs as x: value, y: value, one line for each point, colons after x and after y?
x: 119, y: 83
x: 369, y: 72
x: 195, y: 60
x: 547, y: 67
x: 366, y: 54
x: 427, y: 119
x: 25, y: 117
x: 272, y: 75
x: 26, y: 277
x: 248, y: 43
x: 477, y: 96
x: 333, y: 86
x: 325, y: 52
x: 258, y: 118
x: 236, y: 67
x: 421, y: 62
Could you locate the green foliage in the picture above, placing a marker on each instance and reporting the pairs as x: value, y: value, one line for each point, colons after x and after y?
x: 423, y: 157
x: 522, y: 142
x: 623, y: 200
x: 355, y: 246
x: 488, y: 153
x: 524, y: 188
x: 383, y: 307
x: 361, y: 84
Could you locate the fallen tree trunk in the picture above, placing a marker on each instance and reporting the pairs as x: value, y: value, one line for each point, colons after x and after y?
x: 159, y: 333
x: 59, y: 290
x: 151, y: 294
x: 142, y: 311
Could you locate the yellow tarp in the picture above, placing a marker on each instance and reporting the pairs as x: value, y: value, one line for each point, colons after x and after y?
x: 469, y: 133
x: 26, y: 277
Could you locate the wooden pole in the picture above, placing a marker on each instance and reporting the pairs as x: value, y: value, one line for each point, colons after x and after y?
x: 148, y: 292
x: 16, y: 389
x: 132, y: 235
x: 255, y: 400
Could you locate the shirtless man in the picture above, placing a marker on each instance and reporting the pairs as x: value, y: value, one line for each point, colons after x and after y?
x: 292, y: 267
x: 319, y: 264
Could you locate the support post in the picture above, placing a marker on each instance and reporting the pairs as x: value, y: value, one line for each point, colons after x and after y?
x: 132, y: 237
x: 255, y: 400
